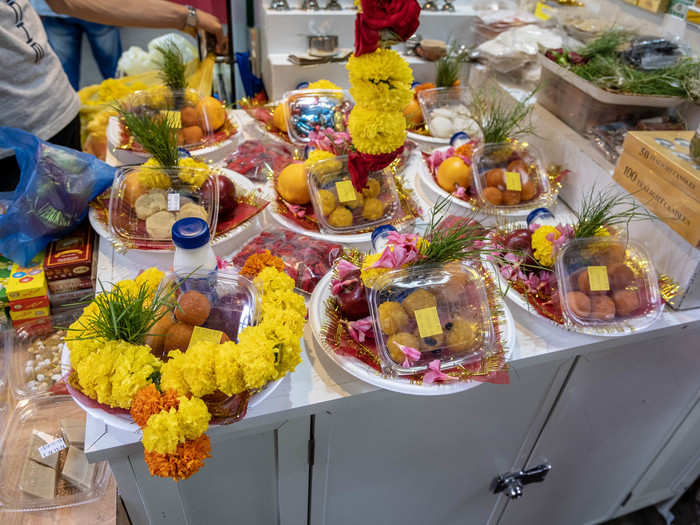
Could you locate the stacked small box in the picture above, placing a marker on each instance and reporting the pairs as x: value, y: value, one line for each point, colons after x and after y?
x: 5, y: 269
x: 27, y: 293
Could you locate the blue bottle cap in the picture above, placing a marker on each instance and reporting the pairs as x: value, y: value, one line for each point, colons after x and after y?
x: 183, y: 153
x: 302, y: 85
x: 381, y: 230
x: 414, y: 84
x: 538, y: 213
x: 190, y: 233
x: 458, y: 139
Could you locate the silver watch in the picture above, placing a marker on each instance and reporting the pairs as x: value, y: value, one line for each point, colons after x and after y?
x: 191, y: 19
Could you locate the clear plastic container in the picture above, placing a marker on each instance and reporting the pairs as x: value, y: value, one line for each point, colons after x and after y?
x: 201, y: 121
x: 440, y: 310
x: 34, y: 356
x: 308, y: 109
x: 339, y: 208
x: 607, y: 282
x: 445, y: 111
x: 145, y: 202
x: 509, y: 176
x: 63, y: 478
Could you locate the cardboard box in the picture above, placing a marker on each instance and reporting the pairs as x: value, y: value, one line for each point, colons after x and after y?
x: 36, y: 326
x: 29, y: 304
x: 29, y: 314
x: 655, y: 6
x: 5, y: 270
x: 71, y: 285
x: 71, y: 256
x: 27, y: 282
x: 667, y: 154
x: 692, y: 15
x: 70, y: 297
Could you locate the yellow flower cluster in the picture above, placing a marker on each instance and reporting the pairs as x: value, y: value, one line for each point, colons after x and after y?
x: 263, y: 353
x: 108, y: 91
x: 542, y: 249
x: 325, y: 167
x: 380, y: 80
x: 98, y: 124
x: 323, y: 84
x: 165, y: 430
x: 370, y: 275
x: 193, y: 172
x: 376, y: 132
x: 115, y: 371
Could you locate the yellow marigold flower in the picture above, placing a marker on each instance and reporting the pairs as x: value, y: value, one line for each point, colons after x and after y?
x: 323, y: 84
x: 327, y: 166
x: 229, y: 374
x: 163, y: 433
x: 193, y: 172
x: 601, y: 232
x: 194, y: 368
x: 375, y: 132
x: 171, y: 377
x: 542, y: 249
x: 153, y: 178
x: 98, y: 124
x: 256, y: 355
x: 153, y: 276
x: 193, y: 417
x: 380, y: 80
x: 370, y: 275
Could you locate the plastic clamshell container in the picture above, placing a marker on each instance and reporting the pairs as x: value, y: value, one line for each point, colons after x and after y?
x: 146, y: 201
x: 336, y: 202
x: 35, y: 355
x: 29, y: 482
x: 607, y: 282
x: 445, y: 303
x: 515, y: 170
x: 308, y: 109
x: 582, y: 105
x: 450, y: 105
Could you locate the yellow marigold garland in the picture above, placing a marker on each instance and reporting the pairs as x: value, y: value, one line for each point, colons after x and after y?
x: 376, y: 132
x: 323, y: 84
x: 380, y: 80
x: 165, y: 430
x: 329, y: 166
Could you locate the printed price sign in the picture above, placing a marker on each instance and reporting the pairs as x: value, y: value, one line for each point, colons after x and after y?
x: 346, y: 193
x: 513, y: 182
x: 173, y: 202
x: 205, y: 334
x: 52, y: 448
x: 173, y: 117
x: 543, y: 11
x: 428, y: 322
x: 598, y: 278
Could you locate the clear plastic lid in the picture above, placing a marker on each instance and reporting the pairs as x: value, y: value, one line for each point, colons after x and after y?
x: 509, y: 176
x: 42, y: 464
x: 146, y: 201
x: 445, y: 111
x: 35, y: 355
x: 342, y: 210
x: 311, y: 109
x: 440, y: 311
x: 607, y: 282
x: 201, y: 121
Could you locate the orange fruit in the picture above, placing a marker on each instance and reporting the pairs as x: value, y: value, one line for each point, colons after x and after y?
x: 279, y: 117
x: 211, y: 113
x: 292, y: 185
x: 413, y: 113
x: 454, y: 172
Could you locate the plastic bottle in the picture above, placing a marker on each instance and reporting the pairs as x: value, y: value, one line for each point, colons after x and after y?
x: 541, y: 216
x: 380, y: 236
x: 195, y: 262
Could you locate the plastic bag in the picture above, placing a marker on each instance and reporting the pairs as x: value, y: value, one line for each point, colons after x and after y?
x: 55, y: 186
x: 260, y: 159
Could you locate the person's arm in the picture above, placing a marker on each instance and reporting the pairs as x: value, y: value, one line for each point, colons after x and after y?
x: 139, y: 13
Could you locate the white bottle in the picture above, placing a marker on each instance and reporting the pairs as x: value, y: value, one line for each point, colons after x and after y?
x: 195, y: 262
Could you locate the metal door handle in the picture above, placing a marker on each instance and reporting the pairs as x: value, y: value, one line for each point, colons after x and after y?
x: 511, y: 483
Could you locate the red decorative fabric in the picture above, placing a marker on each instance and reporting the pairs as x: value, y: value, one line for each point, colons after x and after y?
x: 361, y: 164
x: 399, y: 16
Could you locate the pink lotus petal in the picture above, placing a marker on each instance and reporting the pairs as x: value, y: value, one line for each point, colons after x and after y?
x: 344, y: 268
x: 512, y: 258
x: 460, y: 192
x: 435, y: 374
x: 361, y: 329
x: 386, y: 260
x: 412, y: 355
x: 297, y: 211
x: 337, y: 285
x: 222, y: 264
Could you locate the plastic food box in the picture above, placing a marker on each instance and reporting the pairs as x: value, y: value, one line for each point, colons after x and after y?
x: 509, y: 176
x: 309, y: 109
x: 607, y: 282
x: 441, y: 311
x: 445, y: 111
x: 339, y: 208
x: 42, y: 464
x: 146, y: 201
x: 582, y: 105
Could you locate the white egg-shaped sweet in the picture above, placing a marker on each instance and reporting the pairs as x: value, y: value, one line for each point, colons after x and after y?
x: 441, y: 127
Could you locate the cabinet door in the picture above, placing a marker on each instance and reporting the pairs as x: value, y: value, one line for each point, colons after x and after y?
x: 614, y: 416
x: 417, y: 460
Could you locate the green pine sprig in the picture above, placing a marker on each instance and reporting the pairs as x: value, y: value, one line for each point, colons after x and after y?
x: 607, y: 208
x: 500, y: 119
x: 157, y: 134
x: 172, y: 66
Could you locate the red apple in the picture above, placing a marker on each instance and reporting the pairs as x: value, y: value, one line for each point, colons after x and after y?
x: 227, y: 194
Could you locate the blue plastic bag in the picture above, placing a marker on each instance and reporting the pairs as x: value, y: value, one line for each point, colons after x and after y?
x: 55, y: 186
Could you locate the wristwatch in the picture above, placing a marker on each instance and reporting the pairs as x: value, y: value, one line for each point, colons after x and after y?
x: 190, y: 20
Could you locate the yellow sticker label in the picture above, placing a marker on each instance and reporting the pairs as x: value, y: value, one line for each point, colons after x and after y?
x: 205, y: 334
x: 173, y: 117
x: 543, y: 11
x: 346, y: 193
x: 428, y: 322
x: 513, y: 182
x: 598, y: 278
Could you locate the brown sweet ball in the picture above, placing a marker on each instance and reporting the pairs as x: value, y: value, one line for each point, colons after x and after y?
x: 392, y: 318
x: 461, y: 334
x: 583, y: 282
x: 615, y: 253
x: 518, y: 165
x: 428, y: 344
x: 418, y: 300
x: 401, y: 338
x: 626, y: 302
x: 193, y: 308
x: 189, y: 117
x: 192, y: 134
x: 373, y: 209
x: 496, y: 178
x: 510, y: 197
x: 156, y: 335
x: 579, y: 304
x: 341, y: 217
x: 602, y: 308
x: 620, y: 275
x: 178, y: 337
x: 529, y: 191
x: 493, y: 196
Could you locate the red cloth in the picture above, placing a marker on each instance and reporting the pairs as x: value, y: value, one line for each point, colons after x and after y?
x: 399, y: 16
x: 360, y: 165
x: 215, y: 7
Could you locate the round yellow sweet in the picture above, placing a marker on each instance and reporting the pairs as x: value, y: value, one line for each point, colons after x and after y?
x: 401, y: 338
x: 359, y: 201
x: 373, y: 209
x: 327, y: 200
x: 372, y: 188
x: 392, y: 318
x: 341, y: 217
x: 461, y: 335
x: 292, y: 185
x: 454, y: 172
x: 211, y: 113
x: 279, y: 117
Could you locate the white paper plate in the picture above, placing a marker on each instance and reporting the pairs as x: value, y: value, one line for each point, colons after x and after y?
x: 427, y: 143
x: 125, y: 422
x: 364, y: 372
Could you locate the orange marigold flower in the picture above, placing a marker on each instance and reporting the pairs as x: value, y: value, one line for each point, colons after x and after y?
x: 187, y: 460
x: 257, y: 262
x: 149, y: 401
x: 465, y: 150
